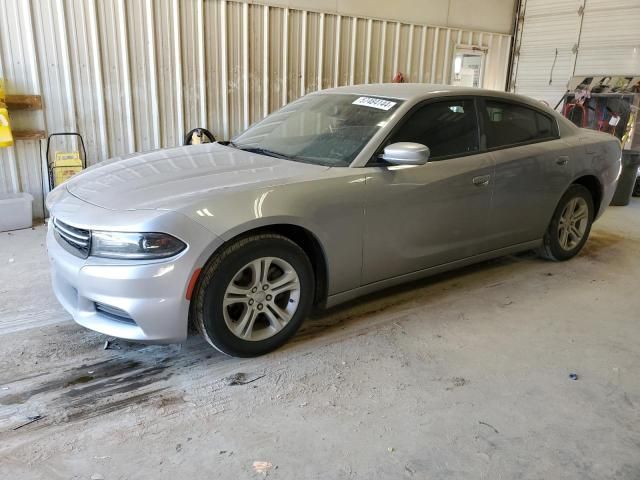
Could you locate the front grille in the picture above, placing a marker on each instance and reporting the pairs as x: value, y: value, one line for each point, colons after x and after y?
x: 75, y: 240
x: 114, y: 313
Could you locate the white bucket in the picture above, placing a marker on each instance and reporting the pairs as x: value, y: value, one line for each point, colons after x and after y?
x: 15, y: 211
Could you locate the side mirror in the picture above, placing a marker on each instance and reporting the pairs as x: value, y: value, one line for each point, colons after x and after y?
x: 406, y: 153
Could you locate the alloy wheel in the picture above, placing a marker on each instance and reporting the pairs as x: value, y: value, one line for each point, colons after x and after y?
x: 261, y: 298
x: 573, y: 223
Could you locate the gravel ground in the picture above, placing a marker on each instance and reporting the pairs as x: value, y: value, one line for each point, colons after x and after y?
x: 465, y: 375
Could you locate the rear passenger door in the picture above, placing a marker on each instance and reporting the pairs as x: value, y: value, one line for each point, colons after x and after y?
x: 532, y: 169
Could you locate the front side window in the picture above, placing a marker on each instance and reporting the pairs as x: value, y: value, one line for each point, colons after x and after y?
x: 448, y: 128
x: 324, y: 129
x: 511, y: 124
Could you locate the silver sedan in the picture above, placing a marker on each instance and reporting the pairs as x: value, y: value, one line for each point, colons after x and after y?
x: 340, y: 193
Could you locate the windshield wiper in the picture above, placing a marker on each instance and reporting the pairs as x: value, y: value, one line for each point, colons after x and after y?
x: 262, y: 151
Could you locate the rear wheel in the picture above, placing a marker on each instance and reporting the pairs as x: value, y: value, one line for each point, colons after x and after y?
x: 570, y: 225
x: 253, y: 295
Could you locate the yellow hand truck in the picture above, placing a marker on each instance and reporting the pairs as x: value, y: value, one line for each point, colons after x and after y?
x: 65, y: 164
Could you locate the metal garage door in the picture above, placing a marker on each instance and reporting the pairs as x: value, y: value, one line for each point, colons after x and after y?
x: 549, y: 33
x: 610, y: 38
x: 557, y: 39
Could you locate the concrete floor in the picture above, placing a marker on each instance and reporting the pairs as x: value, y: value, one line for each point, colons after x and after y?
x: 465, y: 375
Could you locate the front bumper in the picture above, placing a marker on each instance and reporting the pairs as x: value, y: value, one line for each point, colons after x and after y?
x: 131, y: 300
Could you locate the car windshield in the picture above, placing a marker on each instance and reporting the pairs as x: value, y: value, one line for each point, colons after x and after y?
x: 324, y: 129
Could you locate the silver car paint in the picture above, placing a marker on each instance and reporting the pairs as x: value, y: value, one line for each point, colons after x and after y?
x: 425, y: 215
x: 152, y: 292
x: 377, y: 226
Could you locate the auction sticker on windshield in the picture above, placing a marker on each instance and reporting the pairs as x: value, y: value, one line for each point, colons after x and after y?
x: 378, y: 103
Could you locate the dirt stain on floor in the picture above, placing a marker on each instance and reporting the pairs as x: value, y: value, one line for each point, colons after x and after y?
x: 142, y: 398
x: 82, y: 379
x: 600, y: 243
x: 71, y: 378
x: 92, y: 389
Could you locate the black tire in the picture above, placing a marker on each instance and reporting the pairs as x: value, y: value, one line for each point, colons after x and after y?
x: 551, y: 248
x: 636, y: 188
x: 207, y: 305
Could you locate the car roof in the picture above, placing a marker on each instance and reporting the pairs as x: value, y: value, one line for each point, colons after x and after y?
x: 417, y: 91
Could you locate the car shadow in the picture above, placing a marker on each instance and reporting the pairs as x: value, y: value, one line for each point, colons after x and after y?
x: 487, y: 274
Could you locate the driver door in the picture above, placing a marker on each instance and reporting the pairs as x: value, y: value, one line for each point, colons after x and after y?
x: 422, y: 216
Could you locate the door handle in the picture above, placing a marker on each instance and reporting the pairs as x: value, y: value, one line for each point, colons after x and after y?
x: 482, y: 180
x: 562, y: 161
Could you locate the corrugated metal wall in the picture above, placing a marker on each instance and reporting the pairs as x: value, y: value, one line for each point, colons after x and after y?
x: 135, y: 75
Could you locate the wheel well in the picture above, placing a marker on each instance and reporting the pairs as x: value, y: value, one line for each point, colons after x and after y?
x: 592, y: 184
x: 311, y: 246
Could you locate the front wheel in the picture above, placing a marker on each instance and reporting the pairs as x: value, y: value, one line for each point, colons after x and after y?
x: 253, y: 295
x: 570, y: 225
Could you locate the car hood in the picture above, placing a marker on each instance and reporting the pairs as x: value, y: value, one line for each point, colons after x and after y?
x: 172, y: 178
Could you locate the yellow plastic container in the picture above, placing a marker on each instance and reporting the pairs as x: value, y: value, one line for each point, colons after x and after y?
x: 65, y: 166
x: 6, y: 138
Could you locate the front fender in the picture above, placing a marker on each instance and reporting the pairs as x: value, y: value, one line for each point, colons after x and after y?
x: 331, y: 209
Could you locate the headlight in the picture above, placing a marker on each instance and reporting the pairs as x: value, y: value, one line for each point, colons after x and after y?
x: 135, y: 246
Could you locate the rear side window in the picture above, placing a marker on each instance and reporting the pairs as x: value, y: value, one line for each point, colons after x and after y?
x: 447, y: 128
x: 510, y: 124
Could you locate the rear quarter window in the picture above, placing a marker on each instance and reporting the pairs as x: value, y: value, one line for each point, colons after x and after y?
x: 511, y: 124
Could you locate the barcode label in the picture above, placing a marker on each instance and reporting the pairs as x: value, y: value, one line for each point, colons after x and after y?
x: 378, y: 103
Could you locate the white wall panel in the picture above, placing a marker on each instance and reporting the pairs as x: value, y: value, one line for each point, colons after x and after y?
x: 134, y: 75
x: 169, y: 75
x: 143, y: 74
x: 116, y: 76
x: 20, y: 165
x: 86, y: 77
